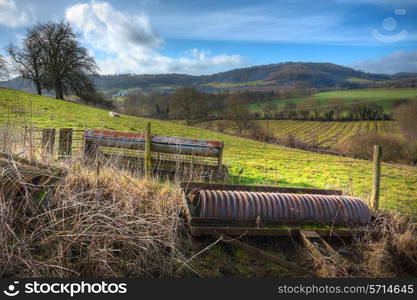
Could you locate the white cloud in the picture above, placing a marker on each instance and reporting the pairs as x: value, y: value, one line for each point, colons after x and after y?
x: 12, y: 16
x: 399, y: 61
x: 131, y: 44
x: 287, y: 21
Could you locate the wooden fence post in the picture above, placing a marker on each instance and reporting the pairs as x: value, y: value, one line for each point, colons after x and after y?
x: 65, y: 142
x: 376, y: 178
x: 220, y: 159
x: 147, y: 155
x: 89, y: 148
x: 48, y: 140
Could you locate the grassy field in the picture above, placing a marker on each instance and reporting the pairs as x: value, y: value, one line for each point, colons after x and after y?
x: 384, y: 97
x: 258, y: 163
x: 322, y: 134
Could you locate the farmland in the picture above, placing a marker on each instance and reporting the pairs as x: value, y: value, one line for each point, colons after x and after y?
x: 249, y: 162
x: 384, y: 97
x: 323, y: 134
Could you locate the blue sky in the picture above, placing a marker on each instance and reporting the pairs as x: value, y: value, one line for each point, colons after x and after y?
x: 203, y: 37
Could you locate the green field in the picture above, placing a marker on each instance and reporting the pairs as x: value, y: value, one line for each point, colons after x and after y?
x: 322, y: 134
x: 384, y: 97
x: 259, y: 163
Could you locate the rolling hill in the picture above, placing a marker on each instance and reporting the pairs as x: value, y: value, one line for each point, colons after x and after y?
x: 256, y: 162
x: 318, y: 75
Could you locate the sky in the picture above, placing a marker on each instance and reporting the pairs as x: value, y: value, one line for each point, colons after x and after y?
x: 208, y: 36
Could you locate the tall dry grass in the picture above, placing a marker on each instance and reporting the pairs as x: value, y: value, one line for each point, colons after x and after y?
x: 92, y: 225
x: 387, y: 249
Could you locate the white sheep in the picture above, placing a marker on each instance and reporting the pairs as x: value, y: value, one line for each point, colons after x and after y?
x: 114, y: 114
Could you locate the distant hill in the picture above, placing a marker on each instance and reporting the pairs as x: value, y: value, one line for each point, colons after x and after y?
x: 289, y: 74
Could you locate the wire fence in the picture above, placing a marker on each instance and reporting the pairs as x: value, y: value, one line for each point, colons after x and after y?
x: 70, y: 144
x: 33, y: 141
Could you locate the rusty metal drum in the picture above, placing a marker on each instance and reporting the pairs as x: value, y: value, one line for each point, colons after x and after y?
x: 281, y: 206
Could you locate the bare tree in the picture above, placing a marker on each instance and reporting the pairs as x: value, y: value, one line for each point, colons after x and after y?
x: 290, y: 109
x: 4, y: 72
x: 187, y: 104
x: 29, y: 61
x: 304, y: 109
x: 338, y: 105
x: 237, y: 112
x: 314, y: 106
x: 269, y: 109
x: 405, y: 115
x: 67, y: 64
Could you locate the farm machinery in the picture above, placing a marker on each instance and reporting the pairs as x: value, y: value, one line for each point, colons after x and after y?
x: 313, y: 216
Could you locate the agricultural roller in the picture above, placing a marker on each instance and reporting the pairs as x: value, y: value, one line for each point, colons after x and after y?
x: 325, y: 209
x: 20, y: 178
x: 311, y: 215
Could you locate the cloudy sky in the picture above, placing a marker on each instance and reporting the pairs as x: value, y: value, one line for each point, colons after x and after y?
x: 207, y: 36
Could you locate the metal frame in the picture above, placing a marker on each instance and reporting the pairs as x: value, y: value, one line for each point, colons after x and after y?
x: 205, y: 154
x: 190, y: 186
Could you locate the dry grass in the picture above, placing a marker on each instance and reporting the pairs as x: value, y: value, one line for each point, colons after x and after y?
x: 92, y: 225
x: 387, y: 249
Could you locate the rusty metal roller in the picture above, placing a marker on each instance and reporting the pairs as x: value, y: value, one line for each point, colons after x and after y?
x: 19, y: 181
x: 281, y: 206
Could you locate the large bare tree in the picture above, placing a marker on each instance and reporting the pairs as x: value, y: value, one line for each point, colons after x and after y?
x: 30, y: 60
x: 53, y: 58
x: 67, y: 64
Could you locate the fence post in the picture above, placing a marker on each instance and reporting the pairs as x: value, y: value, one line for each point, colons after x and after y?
x: 48, y: 140
x: 65, y: 142
x: 376, y: 177
x: 147, y: 155
x: 220, y: 160
x: 89, y: 149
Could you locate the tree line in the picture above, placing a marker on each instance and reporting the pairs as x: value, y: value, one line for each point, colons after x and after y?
x: 333, y: 110
x: 207, y: 106
x: 191, y: 105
